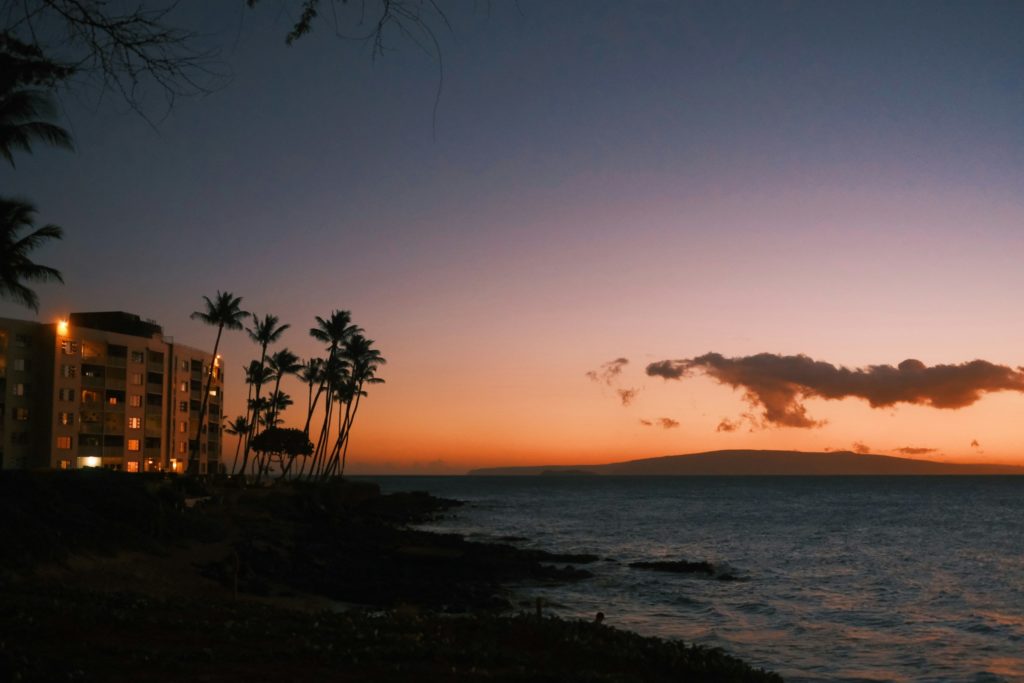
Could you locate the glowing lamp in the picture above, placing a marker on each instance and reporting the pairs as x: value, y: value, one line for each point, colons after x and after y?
x: 62, y: 328
x: 91, y: 461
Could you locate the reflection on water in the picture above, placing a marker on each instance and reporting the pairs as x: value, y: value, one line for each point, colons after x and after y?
x: 860, y: 578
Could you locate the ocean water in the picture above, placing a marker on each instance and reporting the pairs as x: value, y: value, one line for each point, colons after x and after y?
x: 842, y: 579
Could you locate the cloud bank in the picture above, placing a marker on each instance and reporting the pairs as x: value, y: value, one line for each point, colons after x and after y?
x: 778, y: 385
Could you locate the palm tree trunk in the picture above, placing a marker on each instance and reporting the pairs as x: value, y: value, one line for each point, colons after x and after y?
x: 255, y: 409
x: 348, y: 428
x: 193, y: 460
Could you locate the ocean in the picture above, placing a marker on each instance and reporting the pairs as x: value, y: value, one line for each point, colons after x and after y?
x: 841, y: 578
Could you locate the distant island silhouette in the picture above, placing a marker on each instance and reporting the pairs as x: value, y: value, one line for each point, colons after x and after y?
x: 752, y: 462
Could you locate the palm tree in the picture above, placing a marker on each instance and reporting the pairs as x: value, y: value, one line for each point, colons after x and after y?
x: 282, y: 363
x: 364, y: 361
x: 255, y: 375
x: 263, y: 332
x: 333, y: 331
x: 23, y: 120
x: 15, y: 264
x: 25, y: 105
x: 238, y: 427
x: 312, y: 374
x: 223, y: 311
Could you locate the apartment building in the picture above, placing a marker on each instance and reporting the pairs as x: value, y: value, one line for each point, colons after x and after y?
x: 104, y: 389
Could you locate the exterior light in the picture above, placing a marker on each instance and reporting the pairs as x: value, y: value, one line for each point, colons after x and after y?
x: 62, y: 328
x: 91, y: 461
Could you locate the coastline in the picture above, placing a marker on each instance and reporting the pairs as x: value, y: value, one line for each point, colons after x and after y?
x: 117, y: 577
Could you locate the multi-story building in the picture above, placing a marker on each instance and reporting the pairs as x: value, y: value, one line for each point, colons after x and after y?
x: 105, y: 390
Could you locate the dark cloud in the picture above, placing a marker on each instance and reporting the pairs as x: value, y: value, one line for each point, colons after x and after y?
x: 609, y: 371
x: 913, y: 450
x: 627, y: 395
x: 727, y: 425
x: 778, y: 384
x: 663, y: 422
x: 860, y: 447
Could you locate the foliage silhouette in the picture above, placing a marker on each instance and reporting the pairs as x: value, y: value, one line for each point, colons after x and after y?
x: 15, y: 265
x: 223, y: 311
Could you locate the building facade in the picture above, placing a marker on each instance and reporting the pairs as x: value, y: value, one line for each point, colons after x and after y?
x: 105, y: 390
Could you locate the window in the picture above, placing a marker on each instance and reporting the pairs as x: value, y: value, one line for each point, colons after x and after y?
x: 65, y: 464
x: 66, y: 418
x: 117, y: 351
x: 184, y: 365
x: 90, y: 396
x: 69, y: 370
x: 181, y: 448
x: 69, y: 347
x: 156, y: 357
x: 138, y: 357
x: 134, y: 423
x: 152, y: 442
x: 135, y: 401
x: 183, y: 406
x: 137, y: 379
x: 155, y: 400
x: 154, y: 377
x: 184, y: 386
x: 21, y: 414
x: 20, y: 389
x: 66, y: 394
x: 92, y: 370
x: 182, y: 427
x: 132, y: 466
x: 21, y: 340
x: 64, y: 443
x: 91, y: 350
x: 134, y: 444
x: 20, y: 364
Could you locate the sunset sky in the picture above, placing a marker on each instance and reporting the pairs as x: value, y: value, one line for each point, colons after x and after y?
x: 649, y: 181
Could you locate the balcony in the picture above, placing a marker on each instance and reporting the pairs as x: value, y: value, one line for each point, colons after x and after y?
x: 89, y: 450
x: 93, y: 382
x: 113, y: 451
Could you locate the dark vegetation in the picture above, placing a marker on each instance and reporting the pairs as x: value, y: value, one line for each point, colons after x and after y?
x: 108, y: 576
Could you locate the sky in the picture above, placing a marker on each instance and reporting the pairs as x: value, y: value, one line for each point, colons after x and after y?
x: 650, y: 181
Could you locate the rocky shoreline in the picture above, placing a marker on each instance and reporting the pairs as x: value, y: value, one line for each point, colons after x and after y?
x: 107, y: 576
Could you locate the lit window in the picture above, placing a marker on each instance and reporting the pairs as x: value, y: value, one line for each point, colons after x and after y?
x: 135, y: 401
x: 91, y: 461
x: 183, y: 407
x: 69, y: 347
x: 66, y: 418
x: 65, y: 464
x: 134, y: 444
x: 21, y: 414
x: 134, y: 423
x: 181, y: 447
x: 69, y: 370
x: 20, y: 364
x: 132, y: 466
x: 184, y: 365
x: 64, y: 443
x: 184, y: 386
x: 90, y: 396
x: 20, y: 389
x: 182, y: 427
x: 138, y: 357
x: 137, y: 378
